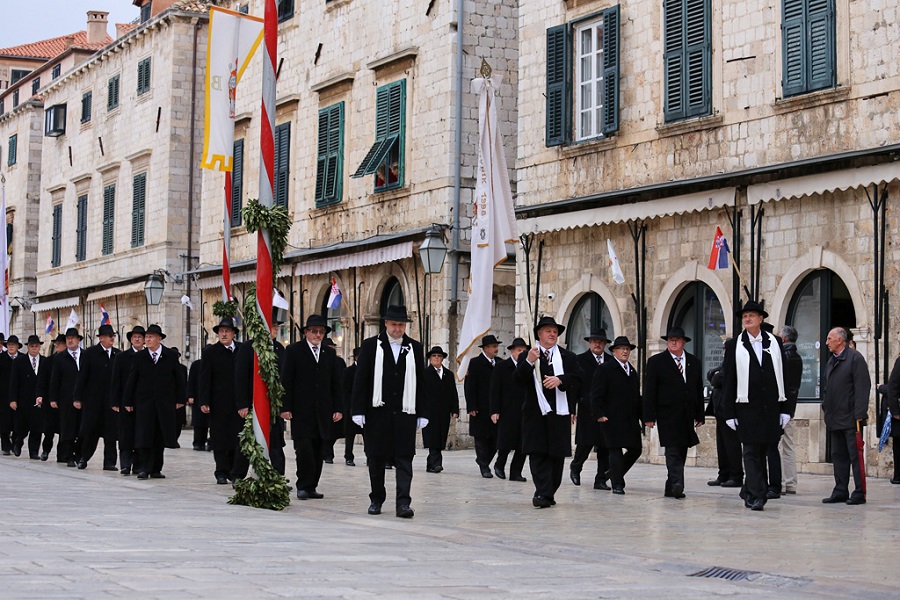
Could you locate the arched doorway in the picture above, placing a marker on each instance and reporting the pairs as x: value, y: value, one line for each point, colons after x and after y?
x: 698, y: 311
x: 333, y: 318
x: 821, y: 302
x: 590, y: 312
x: 392, y: 295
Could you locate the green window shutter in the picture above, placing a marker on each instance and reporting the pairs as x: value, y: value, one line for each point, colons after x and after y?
x: 557, y: 95
x: 329, y: 157
x: 390, y: 133
x: 808, y: 46
x: 55, y: 259
x: 13, y: 149
x: 112, y: 93
x: 688, y: 54
x: 109, y: 218
x: 793, y: 38
x: 610, y: 70
x: 86, y: 101
x: 143, y: 76
x: 237, y: 183
x: 282, y: 163
x: 81, y: 229
x: 822, y: 50
x: 138, y: 210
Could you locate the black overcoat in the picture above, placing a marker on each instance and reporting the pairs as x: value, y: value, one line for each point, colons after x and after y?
x: 893, y: 398
x: 217, y: 391
x: 51, y: 415
x: 92, y: 390
x: 617, y: 396
x: 350, y: 428
x: 388, y: 431
x: 441, y: 403
x: 337, y: 428
x: 477, y: 389
x: 587, y: 433
x: 551, y: 433
x: 674, y: 402
x: 846, y: 389
x: 23, y: 390
x: 6, y: 412
x: 793, y: 376
x: 507, y: 398
x: 124, y: 420
x: 153, y: 390
x: 759, y: 418
x: 198, y: 417
x: 62, y: 390
x: 312, y: 390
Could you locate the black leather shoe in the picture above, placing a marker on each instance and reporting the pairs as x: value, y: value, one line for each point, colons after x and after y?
x: 405, y: 512
x: 82, y: 465
x: 757, y: 504
x: 157, y: 476
x: 125, y: 471
x: 143, y: 475
x: 895, y: 480
x: 540, y: 502
x: 45, y: 456
x: 575, y: 476
x: 34, y: 457
x: 70, y: 463
x: 517, y: 478
x: 199, y: 448
x: 438, y: 469
x: 17, y: 450
x: 714, y: 482
x: 618, y: 490
x: 315, y: 495
x: 731, y: 483
x: 110, y: 468
x: 486, y: 473
x: 221, y: 480
x: 853, y: 501
x: 388, y: 466
x: 500, y: 472
x: 748, y: 504
x: 6, y: 453
x: 772, y: 495
x: 601, y: 485
x: 350, y: 463
x: 374, y: 509
x: 303, y: 495
x: 834, y: 500
x: 329, y: 461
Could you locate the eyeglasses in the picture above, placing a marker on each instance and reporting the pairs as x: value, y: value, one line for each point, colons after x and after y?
x: 316, y: 331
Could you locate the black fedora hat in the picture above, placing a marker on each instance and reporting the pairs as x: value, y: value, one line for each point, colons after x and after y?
x: 518, y: 343
x: 329, y: 342
x: 225, y: 322
x: 546, y: 321
x: 136, y: 329
x: 622, y: 340
x: 751, y: 306
x: 106, y: 330
x: 60, y: 339
x: 676, y: 332
x: 317, y: 321
x: 437, y: 350
x: 356, y: 352
x: 488, y: 340
x: 13, y: 339
x: 598, y: 334
x: 33, y: 339
x: 157, y: 330
x: 397, y: 312
x: 72, y: 332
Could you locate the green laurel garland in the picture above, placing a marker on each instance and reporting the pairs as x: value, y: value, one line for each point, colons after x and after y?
x: 269, y: 489
x: 225, y: 310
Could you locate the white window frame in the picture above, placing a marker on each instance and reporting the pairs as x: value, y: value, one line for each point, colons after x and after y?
x: 594, y: 83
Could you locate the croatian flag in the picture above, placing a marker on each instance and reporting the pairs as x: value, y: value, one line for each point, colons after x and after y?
x: 50, y: 324
x: 718, y: 258
x: 104, y: 319
x: 334, y: 299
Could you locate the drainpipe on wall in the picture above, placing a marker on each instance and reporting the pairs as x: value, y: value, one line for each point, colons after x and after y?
x: 457, y: 160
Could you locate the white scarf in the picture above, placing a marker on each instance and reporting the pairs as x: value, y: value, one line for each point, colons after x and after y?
x: 742, y: 364
x: 562, y: 402
x: 409, y: 379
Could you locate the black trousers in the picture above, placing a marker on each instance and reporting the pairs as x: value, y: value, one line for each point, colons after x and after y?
x: 127, y: 453
x: 6, y: 425
x: 309, y: 462
x: 328, y: 449
x: 515, y: 466
x: 582, y: 452
x: 201, y: 436
x: 485, y: 449
x: 403, y: 471
x: 546, y: 471
x: 89, y: 446
x: 755, y: 479
x: 276, y: 446
x: 773, y: 461
x: 845, y: 458
x: 231, y: 463
x: 29, y: 422
x: 150, y: 460
x: 65, y: 450
x: 675, y: 459
x: 895, y: 442
x: 349, y: 440
x: 435, y: 458
x: 619, y: 464
x: 728, y: 449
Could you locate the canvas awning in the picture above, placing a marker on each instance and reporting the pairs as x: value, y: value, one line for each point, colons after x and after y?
x: 132, y: 288
x: 364, y: 258
x: 38, y: 307
x: 215, y: 281
x: 809, y: 185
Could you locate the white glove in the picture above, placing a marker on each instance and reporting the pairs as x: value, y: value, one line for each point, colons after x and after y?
x: 732, y: 423
x: 784, y: 420
x: 421, y: 422
x: 360, y: 420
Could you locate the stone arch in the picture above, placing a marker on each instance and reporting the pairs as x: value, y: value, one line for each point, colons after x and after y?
x: 680, y: 279
x: 589, y: 283
x: 816, y: 258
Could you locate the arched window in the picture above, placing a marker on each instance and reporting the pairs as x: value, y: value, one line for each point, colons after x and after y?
x: 821, y: 302
x: 392, y: 295
x: 591, y: 312
x: 699, y: 313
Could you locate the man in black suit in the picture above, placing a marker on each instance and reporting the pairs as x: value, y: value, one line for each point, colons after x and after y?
x: 728, y: 446
x: 616, y: 404
x: 477, y: 389
x: 753, y: 398
x: 673, y: 399
x: 351, y: 429
x: 587, y: 433
x: 51, y: 413
x: 548, y: 375
x: 441, y: 407
x: 199, y: 419
x: 156, y: 389
x: 7, y: 420
x: 389, y: 403
x: 217, y: 399
x: 24, y: 400
x: 506, y: 411
x: 243, y: 391
x: 312, y: 375
x: 91, y: 397
x: 121, y: 368
x: 62, y: 390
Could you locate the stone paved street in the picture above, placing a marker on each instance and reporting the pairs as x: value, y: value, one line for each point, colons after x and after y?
x: 95, y: 534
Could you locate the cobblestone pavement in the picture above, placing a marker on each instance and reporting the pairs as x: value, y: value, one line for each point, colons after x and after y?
x: 92, y: 534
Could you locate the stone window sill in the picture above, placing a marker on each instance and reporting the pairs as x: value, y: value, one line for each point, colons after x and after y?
x: 811, y: 100
x: 575, y: 149
x: 690, y: 125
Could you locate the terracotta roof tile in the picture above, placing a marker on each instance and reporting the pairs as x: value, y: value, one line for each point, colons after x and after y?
x: 53, y: 47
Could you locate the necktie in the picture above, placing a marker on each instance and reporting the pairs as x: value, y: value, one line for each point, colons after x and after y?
x: 599, y: 360
x: 547, y: 355
x: 316, y: 353
x: 678, y: 360
x: 492, y: 362
x: 627, y: 370
x: 34, y: 364
x: 75, y: 357
x: 231, y: 349
x: 153, y: 356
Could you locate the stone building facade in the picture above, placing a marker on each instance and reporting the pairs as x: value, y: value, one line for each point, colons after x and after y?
x: 119, y: 179
x: 652, y: 123
x: 365, y: 61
